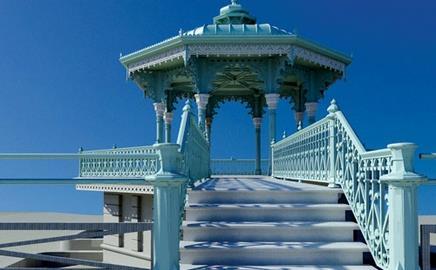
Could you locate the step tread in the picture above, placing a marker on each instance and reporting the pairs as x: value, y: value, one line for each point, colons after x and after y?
x: 232, y: 190
x: 266, y: 205
x: 242, y: 183
x: 254, y: 224
x: 280, y: 267
x: 355, y: 246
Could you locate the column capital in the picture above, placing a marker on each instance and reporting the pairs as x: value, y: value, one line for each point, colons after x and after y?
x: 159, y: 108
x: 299, y: 116
x: 257, y: 122
x: 202, y: 100
x: 209, y: 121
x: 272, y: 100
x: 311, y: 108
x: 168, y: 117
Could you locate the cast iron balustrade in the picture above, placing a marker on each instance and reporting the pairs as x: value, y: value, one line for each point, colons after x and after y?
x: 380, y: 185
x: 138, y: 162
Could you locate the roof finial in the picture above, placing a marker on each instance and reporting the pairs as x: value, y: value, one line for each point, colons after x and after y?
x: 234, y: 2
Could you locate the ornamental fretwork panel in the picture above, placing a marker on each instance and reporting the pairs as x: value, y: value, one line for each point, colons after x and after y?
x: 119, y: 163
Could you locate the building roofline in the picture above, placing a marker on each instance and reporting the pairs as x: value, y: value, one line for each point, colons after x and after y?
x: 183, y: 40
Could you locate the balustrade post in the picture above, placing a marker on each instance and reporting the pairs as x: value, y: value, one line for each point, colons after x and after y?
x: 257, y: 121
x: 168, y: 118
x: 168, y: 186
x: 159, y: 109
x: 332, y: 109
x: 202, y: 100
x: 403, y: 216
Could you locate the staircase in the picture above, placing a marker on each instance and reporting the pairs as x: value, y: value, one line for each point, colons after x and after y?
x: 262, y: 223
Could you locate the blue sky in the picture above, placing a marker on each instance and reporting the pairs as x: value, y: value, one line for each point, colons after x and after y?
x: 62, y: 86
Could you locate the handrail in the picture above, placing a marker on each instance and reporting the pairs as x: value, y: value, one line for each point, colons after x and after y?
x: 427, y: 156
x: 66, y: 156
x: 330, y: 152
x: 194, y: 147
x: 132, y: 162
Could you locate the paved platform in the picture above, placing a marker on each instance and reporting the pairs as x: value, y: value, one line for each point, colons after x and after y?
x: 250, y: 183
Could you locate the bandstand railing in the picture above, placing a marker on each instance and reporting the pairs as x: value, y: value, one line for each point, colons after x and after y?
x: 233, y: 166
x: 119, y: 162
x: 380, y: 185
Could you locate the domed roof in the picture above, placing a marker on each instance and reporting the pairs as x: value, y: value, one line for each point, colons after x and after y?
x: 237, y: 29
x: 234, y: 21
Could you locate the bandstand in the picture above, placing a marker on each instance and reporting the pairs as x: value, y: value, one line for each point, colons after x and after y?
x: 235, y: 59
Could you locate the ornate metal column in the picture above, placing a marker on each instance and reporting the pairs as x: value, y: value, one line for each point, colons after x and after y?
x: 299, y: 116
x: 209, y: 128
x: 202, y: 100
x: 168, y: 119
x: 272, y: 102
x: 311, y: 108
x: 159, y: 108
x: 257, y: 121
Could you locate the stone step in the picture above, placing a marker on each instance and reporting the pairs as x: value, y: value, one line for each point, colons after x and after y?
x: 277, y: 267
x: 266, y: 212
x: 272, y: 253
x: 269, y: 231
x: 264, y: 196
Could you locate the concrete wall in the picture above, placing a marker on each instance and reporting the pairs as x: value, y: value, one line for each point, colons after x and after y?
x: 133, y: 249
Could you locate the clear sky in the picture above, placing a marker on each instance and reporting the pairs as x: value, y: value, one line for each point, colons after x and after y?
x: 62, y: 86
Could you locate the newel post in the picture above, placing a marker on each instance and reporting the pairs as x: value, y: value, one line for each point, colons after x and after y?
x: 168, y: 184
x: 332, y: 109
x: 403, y: 216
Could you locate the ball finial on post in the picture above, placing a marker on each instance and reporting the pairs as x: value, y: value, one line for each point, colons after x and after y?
x: 187, y: 106
x: 333, y: 107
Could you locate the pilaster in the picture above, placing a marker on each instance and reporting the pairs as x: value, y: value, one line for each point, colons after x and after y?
x: 168, y: 186
x: 403, y: 205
